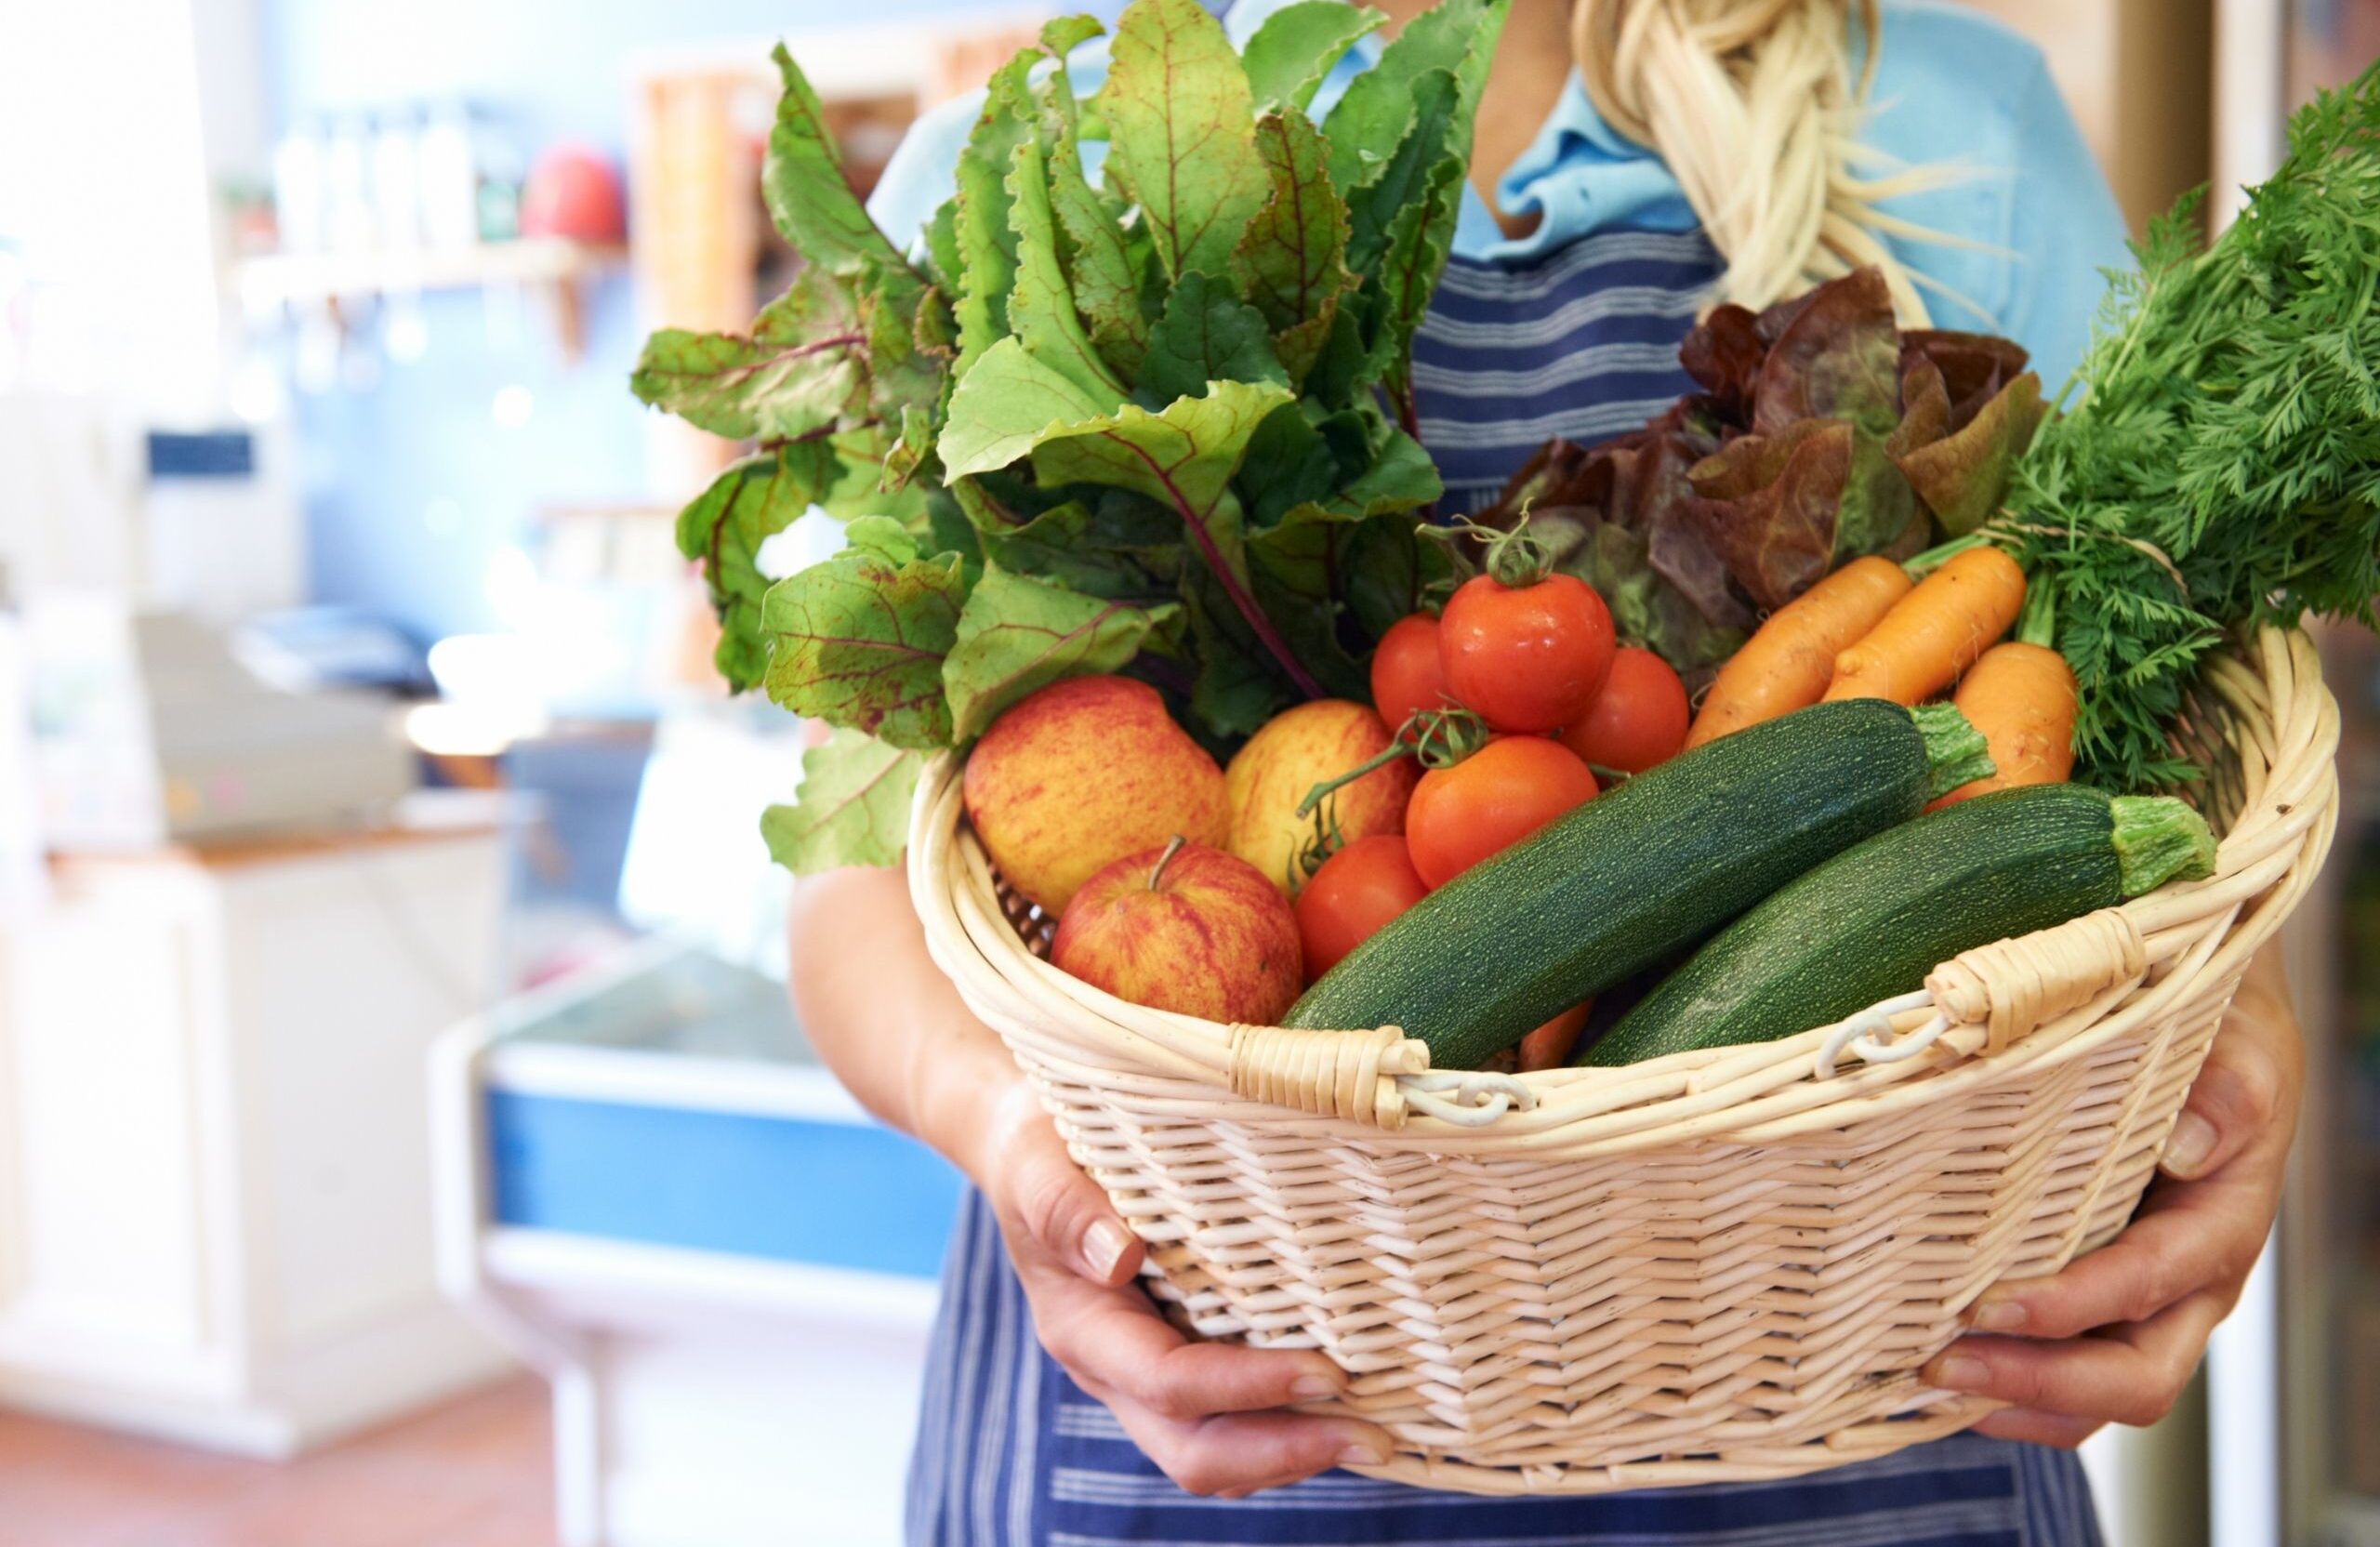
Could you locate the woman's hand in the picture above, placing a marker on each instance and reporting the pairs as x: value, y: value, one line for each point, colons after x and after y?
x: 2117, y: 1334
x: 1208, y: 1414
x: 902, y: 1041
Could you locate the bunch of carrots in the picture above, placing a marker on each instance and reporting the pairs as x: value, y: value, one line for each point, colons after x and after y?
x: 1869, y: 630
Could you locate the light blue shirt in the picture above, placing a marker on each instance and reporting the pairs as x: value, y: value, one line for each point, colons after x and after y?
x: 2030, y: 220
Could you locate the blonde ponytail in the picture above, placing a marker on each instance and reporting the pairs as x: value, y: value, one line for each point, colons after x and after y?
x: 1752, y: 105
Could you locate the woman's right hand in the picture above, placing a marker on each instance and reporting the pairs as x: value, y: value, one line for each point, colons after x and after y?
x: 902, y: 1041
x: 1210, y: 1415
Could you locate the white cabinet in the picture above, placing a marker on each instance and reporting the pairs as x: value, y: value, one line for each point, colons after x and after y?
x: 213, y: 1149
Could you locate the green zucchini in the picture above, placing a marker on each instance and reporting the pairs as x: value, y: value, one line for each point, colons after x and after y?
x: 1638, y: 874
x: 1873, y: 922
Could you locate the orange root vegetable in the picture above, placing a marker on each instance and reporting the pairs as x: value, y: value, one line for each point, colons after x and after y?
x: 2021, y: 697
x: 1934, y: 632
x: 1549, y: 1046
x: 1787, y: 663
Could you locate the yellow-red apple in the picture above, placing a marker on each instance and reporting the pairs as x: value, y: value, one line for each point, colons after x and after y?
x: 1184, y: 928
x: 1296, y: 750
x: 1081, y: 772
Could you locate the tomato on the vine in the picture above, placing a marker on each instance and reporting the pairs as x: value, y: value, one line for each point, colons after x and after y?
x: 1638, y: 719
x: 1462, y: 813
x: 1357, y: 889
x: 1525, y: 647
x: 1406, y: 675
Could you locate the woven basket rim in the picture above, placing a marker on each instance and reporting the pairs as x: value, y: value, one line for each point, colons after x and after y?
x: 2280, y: 823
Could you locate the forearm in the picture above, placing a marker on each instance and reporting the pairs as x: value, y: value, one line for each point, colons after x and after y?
x: 884, y: 1018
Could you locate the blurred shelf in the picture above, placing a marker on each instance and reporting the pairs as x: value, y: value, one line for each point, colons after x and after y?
x: 282, y: 278
x: 555, y: 265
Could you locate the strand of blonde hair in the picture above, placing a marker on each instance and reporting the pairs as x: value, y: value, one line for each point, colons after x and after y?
x: 1754, y: 106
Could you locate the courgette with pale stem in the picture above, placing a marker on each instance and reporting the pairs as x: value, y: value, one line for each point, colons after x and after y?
x: 1640, y: 873
x: 1870, y: 923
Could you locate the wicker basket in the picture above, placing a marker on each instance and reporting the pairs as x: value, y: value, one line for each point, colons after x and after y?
x: 1712, y: 1266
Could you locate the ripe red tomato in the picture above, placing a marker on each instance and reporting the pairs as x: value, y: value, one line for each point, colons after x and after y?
x: 1357, y: 889
x: 1496, y: 797
x: 1530, y: 658
x: 1406, y: 675
x: 1638, y: 719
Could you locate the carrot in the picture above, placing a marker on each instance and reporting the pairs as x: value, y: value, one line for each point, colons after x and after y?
x: 2021, y: 697
x: 1936, y: 631
x: 1787, y: 663
x: 1549, y: 1046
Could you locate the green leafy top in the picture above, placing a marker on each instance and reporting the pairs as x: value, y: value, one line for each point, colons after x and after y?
x: 2222, y: 464
x: 1161, y: 422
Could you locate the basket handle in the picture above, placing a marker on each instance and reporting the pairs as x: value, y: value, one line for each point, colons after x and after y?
x: 1373, y: 1078
x: 2010, y: 987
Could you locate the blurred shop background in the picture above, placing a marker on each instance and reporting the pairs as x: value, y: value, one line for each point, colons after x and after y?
x: 404, y: 1137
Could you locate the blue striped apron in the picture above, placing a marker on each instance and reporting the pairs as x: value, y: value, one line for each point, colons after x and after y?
x: 1012, y: 1453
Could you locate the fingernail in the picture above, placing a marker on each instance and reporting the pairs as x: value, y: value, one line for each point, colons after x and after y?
x: 2192, y: 1142
x: 1313, y: 1388
x: 1104, y: 1246
x: 1960, y: 1373
x: 1998, y: 1316
x: 1363, y: 1453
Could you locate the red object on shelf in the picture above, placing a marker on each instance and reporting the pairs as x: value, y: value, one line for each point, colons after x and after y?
x: 573, y: 192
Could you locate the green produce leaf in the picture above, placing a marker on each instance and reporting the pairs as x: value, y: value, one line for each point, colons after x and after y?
x: 852, y: 806
x: 724, y: 529
x: 1106, y: 262
x: 859, y: 641
x: 1061, y: 35
x: 1237, y: 687
x: 1400, y: 183
x: 1879, y: 511
x: 1017, y: 634
x: 1291, y: 262
x: 1183, y: 457
x: 983, y: 242
x: 1418, y: 242
x: 1041, y: 306
x: 1296, y: 47
x: 801, y: 178
x: 834, y: 352
x: 1372, y: 123
x: 1009, y: 403
x: 1179, y: 138
x: 1206, y: 334
x: 880, y: 537
x: 1124, y: 549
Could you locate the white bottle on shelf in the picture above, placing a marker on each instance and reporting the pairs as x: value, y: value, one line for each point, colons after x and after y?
x: 297, y: 189
x: 396, y: 179
x: 448, y: 170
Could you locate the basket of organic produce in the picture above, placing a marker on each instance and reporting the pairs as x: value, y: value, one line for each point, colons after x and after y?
x: 1621, y: 972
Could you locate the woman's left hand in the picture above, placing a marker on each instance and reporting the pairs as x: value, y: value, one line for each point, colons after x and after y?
x: 2117, y: 1334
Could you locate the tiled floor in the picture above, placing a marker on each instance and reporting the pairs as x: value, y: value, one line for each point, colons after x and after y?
x: 474, y: 1473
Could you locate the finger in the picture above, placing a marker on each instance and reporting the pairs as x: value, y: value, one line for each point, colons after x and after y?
x: 1242, y: 1452
x: 2246, y: 1089
x: 1117, y: 1345
x: 2028, y: 1426
x: 1065, y: 1211
x: 2191, y: 1236
x: 2131, y: 1375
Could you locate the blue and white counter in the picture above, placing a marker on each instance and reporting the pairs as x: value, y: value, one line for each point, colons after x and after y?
x: 651, y: 1191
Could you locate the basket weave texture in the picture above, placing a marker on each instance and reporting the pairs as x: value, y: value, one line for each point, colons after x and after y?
x: 1712, y: 1266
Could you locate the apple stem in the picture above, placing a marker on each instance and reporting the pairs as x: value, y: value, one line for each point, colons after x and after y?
x: 1165, y: 859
